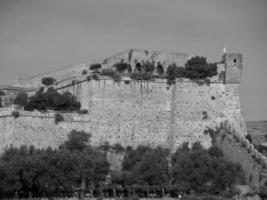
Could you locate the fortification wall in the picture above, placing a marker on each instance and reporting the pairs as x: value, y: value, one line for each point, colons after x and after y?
x: 142, y: 112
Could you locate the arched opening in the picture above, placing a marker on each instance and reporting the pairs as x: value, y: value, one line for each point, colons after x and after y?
x: 138, y: 66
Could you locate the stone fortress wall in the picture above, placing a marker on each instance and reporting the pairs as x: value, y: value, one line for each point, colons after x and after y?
x: 141, y: 112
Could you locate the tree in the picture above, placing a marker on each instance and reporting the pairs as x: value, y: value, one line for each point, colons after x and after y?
x: 121, y: 67
x: 148, y: 67
x: 21, y: 99
x: 203, y: 170
x: 95, y: 66
x: 198, y: 68
x: 48, y: 172
x: 48, y: 81
x: 146, y: 165
x: 77, y: 140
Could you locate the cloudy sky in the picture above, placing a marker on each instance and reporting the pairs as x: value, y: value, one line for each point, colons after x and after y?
x: 40, y: 35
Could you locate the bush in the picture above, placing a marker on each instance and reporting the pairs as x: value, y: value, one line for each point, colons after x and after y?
x: 21, y: 99
x: 122, y: 67
x: 198, y: 68
x: 2, y: 93
x: 88, y: 78
x: 84, y: 72
x: 58, y: 118
x: 95, y: 66
x: 95, y: 77
x: 118, y: 148
x: 174, y: 72
x: 148, y: 67
x: 126, y: 82
x: 160, y: 69
x: 141, y: 76
x: 48, y: 81
x: 84, y: 111
x: 15, y: 113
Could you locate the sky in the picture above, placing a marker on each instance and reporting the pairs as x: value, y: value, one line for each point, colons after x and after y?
x: 41, y: 35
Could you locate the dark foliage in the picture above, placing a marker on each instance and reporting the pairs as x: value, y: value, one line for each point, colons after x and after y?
x: 122, y: 67
x: 84, y: 72
x: 160, y: 69
x: 204, y: 170
x: 95, y: 77
x: 77, y: 140
x: 146, y: 166
x: 198, y: 68
x: 47, y: 172
x: 21, y: 99
x: 138, y: 67
x: 58, y: 118
x: 52, y: 100
x: 173, y: 72
x: 148, y: 67
x: 2, y: 93
x: 118, y: 148
x: 84, y: 111
x: 95, y: 66
x: 15, y: 113
x: 249, y: 138
x: 48, y: 81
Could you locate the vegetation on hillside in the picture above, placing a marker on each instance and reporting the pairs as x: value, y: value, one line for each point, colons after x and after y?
x: 48, y: 172
x: 48, y: 100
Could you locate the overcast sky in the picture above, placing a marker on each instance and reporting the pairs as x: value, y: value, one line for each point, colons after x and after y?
x: 40, y: 35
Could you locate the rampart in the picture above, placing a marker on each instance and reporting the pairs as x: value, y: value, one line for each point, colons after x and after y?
x: 141, y: 112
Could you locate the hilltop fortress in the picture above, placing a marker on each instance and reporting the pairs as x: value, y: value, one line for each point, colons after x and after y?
x: 141, y: 112
x: 147, y: 112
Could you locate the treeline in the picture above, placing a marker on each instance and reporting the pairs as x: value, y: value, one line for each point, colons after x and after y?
x: 76, y: 165
x: 48, y: 100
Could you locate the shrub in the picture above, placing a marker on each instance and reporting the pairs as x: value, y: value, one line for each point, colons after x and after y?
x: 107, y: 72
x: 15, y: 113
x: 95, y: 77
x: 58, y: 118
x: 126, y: 82
x: 148, y: 67
x: 198, y: 68
x: 21, y: 99
x: 48, y: 81
x: 105, y: 146
x: 141, y: 76
x: 84, y: 72
x: 174, y: 72
x: 118, y: 148
x: 84, y: 111
x: 95, y: 66
x: 2, y: 93
x: 138, y: 67
x: 121, y: 67
x: 160, y: 69
x: 88, y: 78
x: 53, y: 100
x: 249, y: 138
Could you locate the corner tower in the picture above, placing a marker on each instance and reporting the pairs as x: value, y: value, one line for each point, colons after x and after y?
x: 233, y: 67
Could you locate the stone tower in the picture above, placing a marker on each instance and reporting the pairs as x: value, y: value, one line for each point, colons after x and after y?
x: 233, y: 67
